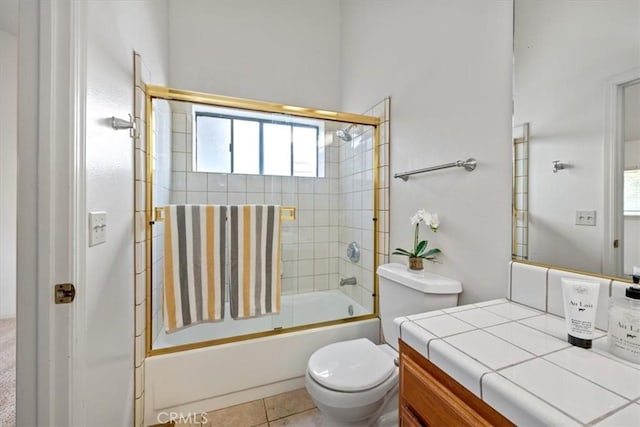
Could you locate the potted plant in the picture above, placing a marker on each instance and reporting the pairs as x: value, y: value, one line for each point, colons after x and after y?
x: 420, y: 251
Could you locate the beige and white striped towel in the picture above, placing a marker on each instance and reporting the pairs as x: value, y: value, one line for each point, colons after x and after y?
x: 254, y: 238
x: 194, y: 264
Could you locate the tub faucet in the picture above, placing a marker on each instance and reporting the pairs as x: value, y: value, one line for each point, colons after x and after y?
x: 348, y: 281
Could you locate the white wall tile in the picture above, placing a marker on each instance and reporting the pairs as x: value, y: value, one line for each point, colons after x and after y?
x: 217, y: 182
x: 237, y: 183
x: 237, y: 198
x: 305, y: 267
x: 305, y: 201
x: 179, y: 181
x: 306, y: 251
x: 196, y: 181
x: 305, y: 284
x: 179, y: 122
x: 255, y: 198
x: 179, y: 162
x: 306, y: 185
x: 216, y: 198
x: 179, y: 142
x: 529, y: 285
x: 196, y: 197
x: 255, y: 184
x: 320, y: 283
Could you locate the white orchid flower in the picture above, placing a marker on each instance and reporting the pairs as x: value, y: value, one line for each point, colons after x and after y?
x: 419, y: 217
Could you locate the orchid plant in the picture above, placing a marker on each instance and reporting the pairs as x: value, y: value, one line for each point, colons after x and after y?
x: 420, y: 246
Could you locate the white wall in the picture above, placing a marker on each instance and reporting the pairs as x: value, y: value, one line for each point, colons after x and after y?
x: 280, y: 50
x: 114, y: 30
x: 572, y: 49
x: 447, y: 68
x: 8, y: 171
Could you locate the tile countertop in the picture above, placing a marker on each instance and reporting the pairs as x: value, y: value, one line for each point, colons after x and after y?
x: 517, y: 359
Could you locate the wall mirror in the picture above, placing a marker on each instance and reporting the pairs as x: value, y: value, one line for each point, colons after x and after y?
x: 576, y: 141
x: 318, y: 166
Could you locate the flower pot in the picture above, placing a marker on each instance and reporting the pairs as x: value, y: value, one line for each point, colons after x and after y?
x: 415, y: 263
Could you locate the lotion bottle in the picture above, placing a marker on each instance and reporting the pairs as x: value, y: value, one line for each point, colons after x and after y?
x: 624, y: 323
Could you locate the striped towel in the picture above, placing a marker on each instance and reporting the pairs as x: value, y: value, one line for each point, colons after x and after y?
x: 194, y: 264
x: 254, y: 235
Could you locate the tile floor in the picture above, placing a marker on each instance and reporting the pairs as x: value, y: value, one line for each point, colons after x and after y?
x: 293, y: 409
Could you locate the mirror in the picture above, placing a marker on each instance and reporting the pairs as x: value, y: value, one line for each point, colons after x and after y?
x: 576, y: 142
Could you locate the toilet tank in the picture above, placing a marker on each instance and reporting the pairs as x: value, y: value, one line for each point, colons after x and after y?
x: 404, y: 292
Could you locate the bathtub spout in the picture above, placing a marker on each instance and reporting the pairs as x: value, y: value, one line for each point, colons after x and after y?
x: 348, y: 281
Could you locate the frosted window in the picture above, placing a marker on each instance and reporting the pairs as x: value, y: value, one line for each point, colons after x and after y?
x: 305, y: 151
x: 277, y: 149
x: 254, y: 143
x: 246, y: 147
x: 213, y: 141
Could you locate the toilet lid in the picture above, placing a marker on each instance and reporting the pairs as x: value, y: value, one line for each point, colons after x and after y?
x: 354, y: 365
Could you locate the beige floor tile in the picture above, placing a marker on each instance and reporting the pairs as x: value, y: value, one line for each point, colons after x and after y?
x: 312, y: 418
x: 290, y: 403
x: 246, y: 415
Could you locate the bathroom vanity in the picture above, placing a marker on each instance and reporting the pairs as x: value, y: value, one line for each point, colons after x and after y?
x: 428, y: 395
x: 500, y: 363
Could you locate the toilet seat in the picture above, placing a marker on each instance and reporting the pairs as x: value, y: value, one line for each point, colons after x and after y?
x: 350, y: 366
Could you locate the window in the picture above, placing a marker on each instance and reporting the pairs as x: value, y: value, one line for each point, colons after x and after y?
x: 246, y: 142
x: 632, y: 192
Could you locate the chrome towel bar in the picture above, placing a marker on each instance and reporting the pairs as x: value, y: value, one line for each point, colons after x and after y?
x: 468, y: 165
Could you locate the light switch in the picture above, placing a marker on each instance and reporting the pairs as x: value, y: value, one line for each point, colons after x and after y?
x: 97, y: 228
x: 586, y: 218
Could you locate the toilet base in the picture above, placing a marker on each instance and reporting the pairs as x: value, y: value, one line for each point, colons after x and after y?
x: 381, y: 413
x: 389, y: 418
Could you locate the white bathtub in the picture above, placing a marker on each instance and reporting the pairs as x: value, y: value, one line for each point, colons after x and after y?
x: 213, y: 377
x: 296, y: 310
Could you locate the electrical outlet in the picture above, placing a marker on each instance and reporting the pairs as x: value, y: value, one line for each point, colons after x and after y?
x: 97, y: 228
x: 586, y: 218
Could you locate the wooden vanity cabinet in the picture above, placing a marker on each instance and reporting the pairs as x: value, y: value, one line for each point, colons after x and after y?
x: 430, y: 397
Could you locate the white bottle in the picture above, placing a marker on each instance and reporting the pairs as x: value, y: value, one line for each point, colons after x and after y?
x: 624, y: 325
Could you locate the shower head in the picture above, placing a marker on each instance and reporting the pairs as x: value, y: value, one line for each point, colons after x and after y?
x: 344, y: 134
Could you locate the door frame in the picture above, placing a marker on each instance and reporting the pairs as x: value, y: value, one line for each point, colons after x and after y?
x: 613, y: 258
x: 51, y: 217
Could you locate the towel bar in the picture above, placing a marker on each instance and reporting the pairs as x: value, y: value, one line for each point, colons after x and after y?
x: 287, y: 213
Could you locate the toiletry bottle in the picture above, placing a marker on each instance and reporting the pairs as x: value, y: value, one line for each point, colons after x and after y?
x: 624, y: 325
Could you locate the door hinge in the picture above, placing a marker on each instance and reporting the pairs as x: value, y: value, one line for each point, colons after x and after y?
x: 64, y: 293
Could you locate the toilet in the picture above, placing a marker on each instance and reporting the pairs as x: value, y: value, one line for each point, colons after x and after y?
x: 355, y: 382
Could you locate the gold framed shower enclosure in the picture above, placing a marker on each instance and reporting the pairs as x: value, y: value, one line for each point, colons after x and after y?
x: 171, y: 94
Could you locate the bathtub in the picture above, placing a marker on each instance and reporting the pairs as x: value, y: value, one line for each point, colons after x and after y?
x: 295, y: 310
x: 209, y: 378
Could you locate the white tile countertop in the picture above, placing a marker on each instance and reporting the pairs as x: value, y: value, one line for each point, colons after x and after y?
x: 518, y: 360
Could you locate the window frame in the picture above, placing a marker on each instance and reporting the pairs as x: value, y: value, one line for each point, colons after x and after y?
x: 292, y: 122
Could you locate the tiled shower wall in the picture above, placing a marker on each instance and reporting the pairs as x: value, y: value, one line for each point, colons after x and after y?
x: 357, y: 186
x: 141, y: 241
x: 310, y: 243
x: 521, y: 192
x: 161, y: 196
